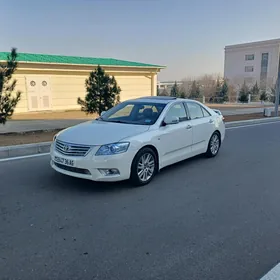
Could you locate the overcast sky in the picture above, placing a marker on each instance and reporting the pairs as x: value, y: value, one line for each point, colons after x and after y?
x: 186, y: 36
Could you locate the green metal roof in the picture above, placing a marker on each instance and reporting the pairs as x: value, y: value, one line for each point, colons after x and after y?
x: 61, y: 59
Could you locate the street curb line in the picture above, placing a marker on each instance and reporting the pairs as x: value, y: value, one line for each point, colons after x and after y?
x: 253, y: 121
x: 31, y: 131
x: 44, y: 147
x: 24, y: 150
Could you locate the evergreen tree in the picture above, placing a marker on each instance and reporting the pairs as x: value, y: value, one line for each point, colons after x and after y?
x: 244, y: 94
x: 217, y: 91
x: 195, y: 91
x: 224, y: 92
x: 255, y: 92
x: 221, y: 92
x: 103, y: 92
x: 8, y: 101
x: 175, y: 90
x: 182, y: 92
x: 263, y: 96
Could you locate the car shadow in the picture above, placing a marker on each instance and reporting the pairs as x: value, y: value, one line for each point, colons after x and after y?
x: 182, y: 164
x: 68, y: 183
x: 190, y: 162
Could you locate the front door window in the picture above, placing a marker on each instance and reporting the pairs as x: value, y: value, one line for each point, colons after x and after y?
x: 177, y: 110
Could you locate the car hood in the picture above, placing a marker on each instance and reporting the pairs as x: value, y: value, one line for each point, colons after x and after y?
x: 99, y: 132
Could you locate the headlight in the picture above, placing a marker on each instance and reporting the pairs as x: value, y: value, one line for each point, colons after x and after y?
x: 112, y: 149
x: 54, y: 138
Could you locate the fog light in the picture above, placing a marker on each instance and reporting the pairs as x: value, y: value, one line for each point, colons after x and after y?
x: 109, y: 172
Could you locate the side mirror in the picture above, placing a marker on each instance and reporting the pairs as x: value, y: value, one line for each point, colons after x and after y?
x: 171, y: 120
x: 102, y: 113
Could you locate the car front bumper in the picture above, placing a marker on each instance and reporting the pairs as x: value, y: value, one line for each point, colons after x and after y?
x: 93, y: 167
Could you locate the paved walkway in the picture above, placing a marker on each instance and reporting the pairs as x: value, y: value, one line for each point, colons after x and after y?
x: 231, y: 112
x: 32, y: 125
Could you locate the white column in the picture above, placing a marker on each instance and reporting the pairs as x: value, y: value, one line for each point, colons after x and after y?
x: 153, y: 84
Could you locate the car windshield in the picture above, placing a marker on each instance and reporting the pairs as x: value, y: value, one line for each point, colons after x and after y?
x: 139, y: 113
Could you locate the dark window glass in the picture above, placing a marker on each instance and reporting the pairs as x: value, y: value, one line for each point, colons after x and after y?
x: 139, y: 113
x: 249, y: 68
x: 249, y: 57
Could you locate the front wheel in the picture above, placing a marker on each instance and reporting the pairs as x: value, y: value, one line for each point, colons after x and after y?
x: 144, y: 167
x: 214, y: 145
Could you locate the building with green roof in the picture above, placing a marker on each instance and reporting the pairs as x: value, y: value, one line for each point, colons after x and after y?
x: 54, y: 82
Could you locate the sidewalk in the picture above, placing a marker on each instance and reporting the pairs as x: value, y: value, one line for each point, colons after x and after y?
x: 232, y: 112
x: 34, y: 125
x: 44, y: 121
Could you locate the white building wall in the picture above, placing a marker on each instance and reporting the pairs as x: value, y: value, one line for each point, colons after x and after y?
x: 235, y: 63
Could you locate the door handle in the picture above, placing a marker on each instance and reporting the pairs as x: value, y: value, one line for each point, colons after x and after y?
x: 211, y: 121
x: 189, y: 127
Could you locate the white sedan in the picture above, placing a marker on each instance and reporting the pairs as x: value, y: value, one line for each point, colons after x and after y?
x: 137, y: 138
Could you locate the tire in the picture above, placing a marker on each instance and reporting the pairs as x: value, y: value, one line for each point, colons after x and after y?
x: 213, y: 145
x: 149, y: 167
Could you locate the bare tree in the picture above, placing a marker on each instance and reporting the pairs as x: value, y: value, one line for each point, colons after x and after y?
x: 186, y: 85
x: 206, y: 82
x: 182, y: 92
x: 208, y: 85
x: 164, y: 92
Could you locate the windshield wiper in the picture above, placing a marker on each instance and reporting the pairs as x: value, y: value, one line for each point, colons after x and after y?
x: 101, y: 119
x: 118, y: 122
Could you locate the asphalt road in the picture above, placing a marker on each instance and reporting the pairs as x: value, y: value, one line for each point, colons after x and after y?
x: 201, y: 219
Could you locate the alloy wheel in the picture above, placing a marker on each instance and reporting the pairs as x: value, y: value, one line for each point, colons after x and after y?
x: 215, y: 144
x: 146, y: 167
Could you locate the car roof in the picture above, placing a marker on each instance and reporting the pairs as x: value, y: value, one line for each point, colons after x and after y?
x: 160, y: 99
x: 155, y: 99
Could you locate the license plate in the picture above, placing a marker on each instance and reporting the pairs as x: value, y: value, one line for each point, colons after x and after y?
x: 64, y: 161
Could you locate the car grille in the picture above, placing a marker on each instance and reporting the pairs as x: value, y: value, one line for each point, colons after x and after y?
x: 72, y: 169
x: 71, y: 149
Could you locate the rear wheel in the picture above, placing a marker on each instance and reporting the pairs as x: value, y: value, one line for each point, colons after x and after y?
x: 144, y: 167
x: 214, y: 145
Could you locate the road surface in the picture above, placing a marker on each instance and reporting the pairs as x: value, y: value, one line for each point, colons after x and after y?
x: 201, y: 219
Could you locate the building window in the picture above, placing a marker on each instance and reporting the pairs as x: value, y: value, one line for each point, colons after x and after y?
x: 249, y: 68
x: 264, y: 56
x: 264, y: 66
x: 249, y: 57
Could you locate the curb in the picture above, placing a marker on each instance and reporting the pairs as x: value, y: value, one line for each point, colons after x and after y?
x: 31, y: 131
x: 24, y: 150
x: 250, y: 122
x: 7, y: 152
